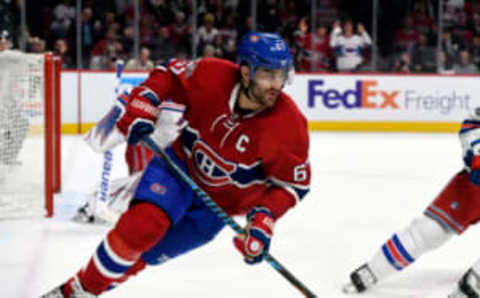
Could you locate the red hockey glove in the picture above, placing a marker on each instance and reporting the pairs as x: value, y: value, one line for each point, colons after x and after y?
x: 139, y: 119
x: 258, y: 233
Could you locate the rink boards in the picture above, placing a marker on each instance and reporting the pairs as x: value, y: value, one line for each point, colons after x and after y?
x: 349, y: 102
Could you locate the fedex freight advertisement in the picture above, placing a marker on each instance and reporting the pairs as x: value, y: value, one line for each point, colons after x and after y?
x: 385, y: 98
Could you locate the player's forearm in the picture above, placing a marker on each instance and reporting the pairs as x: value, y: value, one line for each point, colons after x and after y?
x: 278, y: 201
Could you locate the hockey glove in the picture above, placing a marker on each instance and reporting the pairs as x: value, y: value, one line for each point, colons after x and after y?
x: 139, y: 119
x: 105, y: 135
x: 169, y: 124
x: 258, y: 233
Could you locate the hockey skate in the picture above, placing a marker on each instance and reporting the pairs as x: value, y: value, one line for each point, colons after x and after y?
x: 360, y: 280
x: 468, y: 286
x: 75, y: 289
x: 84, y: 215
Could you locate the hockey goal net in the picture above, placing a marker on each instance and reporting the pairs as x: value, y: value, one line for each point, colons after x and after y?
x: 29, y: 133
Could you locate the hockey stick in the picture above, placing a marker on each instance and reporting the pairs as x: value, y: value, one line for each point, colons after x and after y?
x: 226, y: 218
x: 108, y: 155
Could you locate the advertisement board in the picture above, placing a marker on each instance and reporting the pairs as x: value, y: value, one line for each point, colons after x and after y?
x: 329, y: 101
x: 385, y: 102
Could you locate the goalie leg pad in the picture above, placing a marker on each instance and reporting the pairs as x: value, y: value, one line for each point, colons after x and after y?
x: 105, y: 135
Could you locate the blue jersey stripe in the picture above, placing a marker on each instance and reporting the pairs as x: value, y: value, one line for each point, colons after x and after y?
x: 390, y: 258
x: 247, y: 175
x: 476, y: 142
x: 402, y: 249
x: 108, y: 263
x: 151, y: 97
x: 301, y: 192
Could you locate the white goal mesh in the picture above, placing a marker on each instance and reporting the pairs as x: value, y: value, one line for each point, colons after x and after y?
x: 23, y: 134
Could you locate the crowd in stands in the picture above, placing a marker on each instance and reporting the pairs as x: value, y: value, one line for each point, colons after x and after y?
x: 338, y: 43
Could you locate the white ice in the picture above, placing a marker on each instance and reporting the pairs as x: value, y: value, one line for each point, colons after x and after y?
x: 365, y: 187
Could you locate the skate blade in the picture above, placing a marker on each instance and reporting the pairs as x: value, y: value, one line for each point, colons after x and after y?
x: 349, y: 289
x: 457, y: 294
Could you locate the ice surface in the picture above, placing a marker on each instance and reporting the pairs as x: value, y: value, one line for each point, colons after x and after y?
x: 365, y: 187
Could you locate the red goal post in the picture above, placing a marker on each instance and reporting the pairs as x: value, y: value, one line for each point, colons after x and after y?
x: 53, y: 121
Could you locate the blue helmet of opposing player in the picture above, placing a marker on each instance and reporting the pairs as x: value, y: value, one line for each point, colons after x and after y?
x: 268, y: 50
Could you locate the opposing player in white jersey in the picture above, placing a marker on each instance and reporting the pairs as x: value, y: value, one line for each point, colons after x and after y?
x: 452, y: 212
x: 348, y: 45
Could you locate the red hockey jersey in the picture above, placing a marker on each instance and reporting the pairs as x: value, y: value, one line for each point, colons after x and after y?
x: 239, y: 161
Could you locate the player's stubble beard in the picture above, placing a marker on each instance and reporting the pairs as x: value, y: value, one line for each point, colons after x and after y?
x: 265, y: 97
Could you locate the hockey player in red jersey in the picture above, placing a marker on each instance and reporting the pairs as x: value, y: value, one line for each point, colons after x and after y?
x: 246, y: 145
x: 452, y: 212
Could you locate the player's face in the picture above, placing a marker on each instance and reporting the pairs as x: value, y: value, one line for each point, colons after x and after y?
x: 267, y: 84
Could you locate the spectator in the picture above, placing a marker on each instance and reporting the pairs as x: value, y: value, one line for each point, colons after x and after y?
x: 476, y: 21
x: 230, y: 50
x: 407, y: 36
x: 162, y: 46
x: 101, y: 28
x: 206, y: 33
x: 465, y: 66
x: 110, y: 43
x: 60, y: 49
x: 87, y: 38
x: 179, y: 30
x: 463, y: 29
x: 87, y: 33
x: 445, y: 63
x: 271, y: 21
x: 246, y: 26
x: 423, y: 56
x: 36, y: 45
x: 316, y: 52
x: 228, y: 30
x: 147, y: 28
x: 64, y: 14
x: 403, y: 63
x: 300, y: 35
x: 107, y: 60
x: 5, y: 43
x: 143, y: 63
x: 450, y: 44
x: 128, y: 40
x: 451, y: 14
x: 475, y: 50
x: 422, y: 21
x: 208, y: 51
x: 348, y: 46
x: 218, y: 46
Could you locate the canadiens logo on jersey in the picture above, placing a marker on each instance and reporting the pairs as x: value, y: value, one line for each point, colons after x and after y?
x: 210, y: 167
x: 213, y: 170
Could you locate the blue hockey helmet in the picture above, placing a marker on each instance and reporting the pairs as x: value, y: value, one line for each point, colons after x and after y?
x: 268, y: 50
